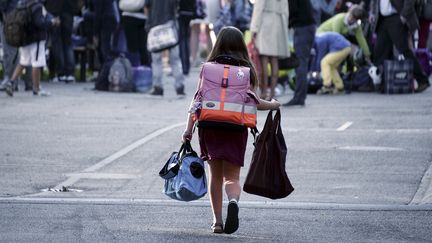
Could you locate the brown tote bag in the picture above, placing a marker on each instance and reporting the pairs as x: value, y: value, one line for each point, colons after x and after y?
x: 267, y: 176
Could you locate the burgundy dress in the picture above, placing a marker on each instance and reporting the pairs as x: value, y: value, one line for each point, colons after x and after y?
x: 223, y: 144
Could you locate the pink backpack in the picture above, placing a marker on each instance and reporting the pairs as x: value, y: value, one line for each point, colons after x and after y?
x: 224, y: 98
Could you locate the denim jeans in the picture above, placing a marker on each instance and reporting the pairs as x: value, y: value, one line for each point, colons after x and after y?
x: 184, y: 40
x: 303, y: 42
x: 10, y: 57
x: 175, y: 63
x: 62, y: 46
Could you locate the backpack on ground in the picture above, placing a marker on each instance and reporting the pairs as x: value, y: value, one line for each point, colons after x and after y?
x: 121, y: 76
x: 224, y: 98
x: 18, y: 25
x: 360, y: 80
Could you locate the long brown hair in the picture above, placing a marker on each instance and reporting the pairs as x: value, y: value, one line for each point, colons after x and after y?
x: 230, y: 42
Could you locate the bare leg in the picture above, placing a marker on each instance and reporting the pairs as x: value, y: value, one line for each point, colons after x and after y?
x: 215, y: 187
x: 194, y: 42
x: 18, y: 71
x: 264, y: 76
x: 274, y: 75
x: 36, y: 71
x: 231, y: 173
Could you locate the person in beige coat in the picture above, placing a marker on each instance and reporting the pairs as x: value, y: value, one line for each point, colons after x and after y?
x: 269, y: 27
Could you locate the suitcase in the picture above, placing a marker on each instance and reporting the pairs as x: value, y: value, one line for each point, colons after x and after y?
x: 398, y: 77
x: 142, y: 76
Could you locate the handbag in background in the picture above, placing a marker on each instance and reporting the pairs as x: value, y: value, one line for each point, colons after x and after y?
x: 267, y: 176
x: 184, y: 175
x: 398, y: 77
x: 162, y: 37
x: 254, y: 56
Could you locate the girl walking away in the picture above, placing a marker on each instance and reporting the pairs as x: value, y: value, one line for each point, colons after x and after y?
x: 224, y: 149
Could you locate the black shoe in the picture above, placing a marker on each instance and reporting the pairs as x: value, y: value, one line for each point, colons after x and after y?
x: 422, y: 87
x: 9, y: 88
x: 157, y: 91
x: 180, y: 90
x: 232, y: 221
x: 293, y: 103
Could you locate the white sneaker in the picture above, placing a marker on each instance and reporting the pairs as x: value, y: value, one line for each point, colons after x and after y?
x: 70, y: 79
x: 41, y: 92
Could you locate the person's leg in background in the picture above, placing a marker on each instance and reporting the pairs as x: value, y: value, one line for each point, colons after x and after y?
x: 157, y: 69
x: 303, y: 42
x: 57, y: 52
x: 396, y: 34
x: 142, y: 43
x: 330, y: 73
x: 383, y: 47
x: 194, y: 43
x: 10, y: 58
x: 175, y: 63
x: 106, y: 38
x: 38, y: 61
x: 67, y: 48
x: 274, y: 76
x: 184, y: 42
x: 335, y: 59
x: 264, y: 76
x: 423, y: 33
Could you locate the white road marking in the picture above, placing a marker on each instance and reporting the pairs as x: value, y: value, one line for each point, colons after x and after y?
x: 206, y: 203
x: 131, y: 147
x: 403, y: 130
x: 371, y: 148
x: 103, y: 176
x: 345, y: 126
x: 424, y: 191
x: 85, y: 173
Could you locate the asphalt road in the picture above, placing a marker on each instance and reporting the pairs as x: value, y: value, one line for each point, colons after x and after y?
x: 360, y: 165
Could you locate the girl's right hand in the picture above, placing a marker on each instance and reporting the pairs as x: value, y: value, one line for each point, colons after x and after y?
x: 187, y: 136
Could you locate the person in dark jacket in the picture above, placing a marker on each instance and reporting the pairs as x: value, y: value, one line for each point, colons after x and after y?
x: 61, y: 38
x: 33, y: 52
x: 302, y: 20
x: 394, y: 22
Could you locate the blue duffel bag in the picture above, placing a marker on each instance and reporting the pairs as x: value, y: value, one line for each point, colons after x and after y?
x: 184, y: 175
